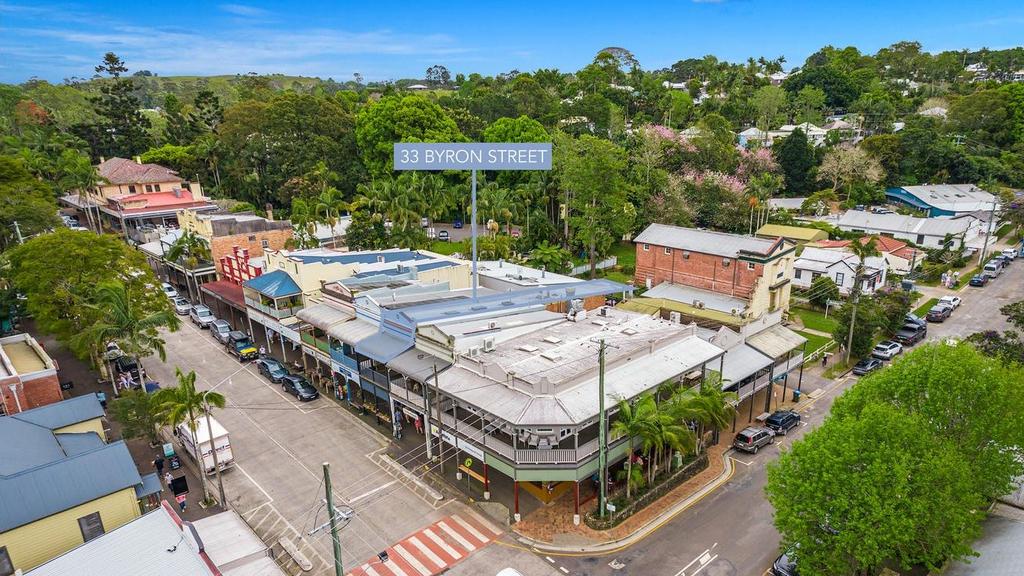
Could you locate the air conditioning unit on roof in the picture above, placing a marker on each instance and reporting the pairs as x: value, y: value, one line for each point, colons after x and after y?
x: 488, y: 344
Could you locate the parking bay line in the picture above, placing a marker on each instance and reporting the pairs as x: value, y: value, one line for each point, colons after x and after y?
x: 355, y: 499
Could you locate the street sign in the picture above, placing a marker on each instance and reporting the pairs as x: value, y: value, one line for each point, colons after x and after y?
x: 610, y: 507
x: 472, y: 156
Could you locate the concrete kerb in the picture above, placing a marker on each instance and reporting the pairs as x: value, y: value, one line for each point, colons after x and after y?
x: 654, y: 524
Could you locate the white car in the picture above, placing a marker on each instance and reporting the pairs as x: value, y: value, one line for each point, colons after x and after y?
x: 1010, y: 252
x: 169, y: 291
x: 887, y: 350
x: 951, y: 301
x: 182, y: 307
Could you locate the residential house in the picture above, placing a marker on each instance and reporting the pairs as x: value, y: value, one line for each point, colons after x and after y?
x: 795, y: 234
x: 754, y: 136
x: 61, y: 484
x: 934, y: 112
x: 237, y: 241
x: 715, y: 275
x: 787, y: 204
x: 815, y: 135
x: 28, y: 376
x: 924, y: 232
x: 899, y: 257
x: 160, y: 543
x: 841, y: 267
x: 944, y: 199
x: 977, y: 71
x: 1017, y: 76
x: 137, y: 198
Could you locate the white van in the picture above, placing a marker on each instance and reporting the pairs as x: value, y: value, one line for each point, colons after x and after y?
x: 1010, y: 252
x: 993, y: 269
x: 220, y: 440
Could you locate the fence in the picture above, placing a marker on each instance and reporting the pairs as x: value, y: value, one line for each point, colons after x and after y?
x: 608, y: 262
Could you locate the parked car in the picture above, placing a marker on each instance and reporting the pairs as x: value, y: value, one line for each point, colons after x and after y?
x: 993, y: 269
x: 785, y: 565
x: 886, y: 350
x: 182, y: 307
x: 299, y: 387
x: 169, y: 291
x: 951, y: 301
x: 1010, y: 253
x: 239, y: 344
x: 201, y: 316
x: 939, y: 313
x: 752, y: 438
x: 272, y: 369
x: 220, y: 330
x: 979, y: 280
x: 915, y: 320
x: 910, y: 334
x: 866, y: 366
x: 1002, y: 261
x: 781, y: 421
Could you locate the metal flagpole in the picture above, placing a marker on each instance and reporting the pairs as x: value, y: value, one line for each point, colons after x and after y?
x: 473, y: 232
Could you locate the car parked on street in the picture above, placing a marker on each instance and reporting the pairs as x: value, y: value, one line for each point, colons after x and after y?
x: 911, y: 333
x: 785, y: 565
x: 239, y: 344
x: 272, y: 369
x: 182, y: 307
x: 781, y: 421
x: 220, y: 330
x: 951, y: 301
x: 993, y: 269
x: 914, y: 320
x: 299, y: 387
x: 866, y: 366
x: 979, y: 280
x: 169, y: 291
x: 886, y: 350
x: 752, y: 438
x: 1010, y: 253
x: 939, y: 313
x: 201, y: 316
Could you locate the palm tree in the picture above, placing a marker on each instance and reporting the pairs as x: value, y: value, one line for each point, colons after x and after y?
x: 863, y: 251
x: 551, y: 257
x: 631, y: 422
x: 189, y: 249
x: 303, y: 215
x: 124, y: 320
x: 329, y: 205
x: 708, y: 406
x: 184, y: 404
x: 77, y: 173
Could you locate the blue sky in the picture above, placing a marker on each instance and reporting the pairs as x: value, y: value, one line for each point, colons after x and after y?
x: 386, y: 39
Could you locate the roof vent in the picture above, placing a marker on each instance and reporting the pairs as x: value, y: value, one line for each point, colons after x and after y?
x: 552, y: 339
x: 527, y: 348
x: 629, y: 332
x: 601, y: 323
x: 551, y: 355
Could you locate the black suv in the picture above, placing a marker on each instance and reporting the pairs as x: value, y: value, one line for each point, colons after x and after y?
x: 782, y: 421
x: 910, y: 334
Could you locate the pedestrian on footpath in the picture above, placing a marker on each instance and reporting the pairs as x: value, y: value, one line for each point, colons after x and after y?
x: 158, y: 463
x: 263, y: 352
x: 168, y: 478
x: 182, y: 505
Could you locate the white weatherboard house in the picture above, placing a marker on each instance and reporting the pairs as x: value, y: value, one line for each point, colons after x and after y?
x: 841, y: 267
x: 927, y: 232
x: 944, y: 199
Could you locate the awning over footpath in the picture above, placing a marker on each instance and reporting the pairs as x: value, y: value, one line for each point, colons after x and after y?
x: 226, y: 292
x: 418, y: 364
x: 776, y: 341
x: 383, y: 346
x: 353, y: 331
x: 324, y: 315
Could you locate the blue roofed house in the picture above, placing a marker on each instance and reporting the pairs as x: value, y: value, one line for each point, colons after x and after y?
x: 62, y: 484
x: 944, y: 199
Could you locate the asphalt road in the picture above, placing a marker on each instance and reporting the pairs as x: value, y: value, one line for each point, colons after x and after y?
x: 730, y: 533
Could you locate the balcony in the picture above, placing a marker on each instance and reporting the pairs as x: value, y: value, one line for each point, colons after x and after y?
x: 279, y: 313
x: 321, y: 345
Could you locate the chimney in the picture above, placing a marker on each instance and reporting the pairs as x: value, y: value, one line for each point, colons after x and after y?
x: 138, y: 159
x: 270, y: 211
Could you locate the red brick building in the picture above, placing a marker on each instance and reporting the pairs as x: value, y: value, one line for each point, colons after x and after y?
x: 237, y: 241
x: 28, y: 376
x: 753, y: 272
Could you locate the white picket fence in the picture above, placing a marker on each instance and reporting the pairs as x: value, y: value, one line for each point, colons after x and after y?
x: 608, y: 262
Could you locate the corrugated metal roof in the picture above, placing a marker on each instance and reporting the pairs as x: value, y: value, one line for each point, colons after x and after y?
x: 353, y: 331
x: 228, y: 540
x: 383, y: 346
x: 898, y: 223
x: 35, y: 446
x: 704, y: 241
x: 151, y: 484
x: 418, y: 364
x: 274, y: 284
x: 45, y: 490
x: 776, y: 341
x: 138, y: 548
x: 79, y: 442
x: 325, y: 315
x: 741, y: 362
x: 64, y: 413
x: 795, y: 232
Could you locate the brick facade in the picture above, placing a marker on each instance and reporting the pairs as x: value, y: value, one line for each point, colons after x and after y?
x: 224, y: 248
x: 719, y: 274
x: 30, y: 393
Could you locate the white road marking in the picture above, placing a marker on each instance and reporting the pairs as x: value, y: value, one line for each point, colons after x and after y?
x: 369, y: 570
x: 427, y: 552
x: 704, y: 565
x: 692, y: 562
x: 469, y: 528
x: 444, y: 545
x: 255, y: 483
x: 393, y: 566
x: 484, y: 522
x: 405, y: 555
x: 355, y: 499
x: 458, y: 537
x: 735, y: 459
x: 549, y: 559
x: 562, y: 568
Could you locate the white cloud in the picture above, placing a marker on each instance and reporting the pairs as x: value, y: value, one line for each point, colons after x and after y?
x: 242, y: 10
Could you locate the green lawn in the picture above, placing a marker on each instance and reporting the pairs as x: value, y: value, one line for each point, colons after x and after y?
x: 1004, y: 230
x: 446, y: 248
x: 625, y: 252
x: 815, y: 320
x: 814, y: 342
x: 924, y: 308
